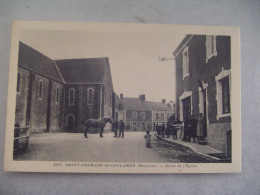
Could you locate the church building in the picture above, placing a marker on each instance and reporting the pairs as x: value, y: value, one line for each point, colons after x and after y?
x: 59, y: 95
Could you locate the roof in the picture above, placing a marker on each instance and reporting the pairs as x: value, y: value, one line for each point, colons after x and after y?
x: 136, y: 103
x: 91, y: 70
x: 31, y: 59
x: 182, y: 43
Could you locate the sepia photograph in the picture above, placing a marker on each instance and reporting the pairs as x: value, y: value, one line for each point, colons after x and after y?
x: 123, y: 98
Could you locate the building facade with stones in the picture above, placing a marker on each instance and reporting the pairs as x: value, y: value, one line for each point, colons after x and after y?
x: 203, y: 85
x: 59, y: 95
x: 140, y: 115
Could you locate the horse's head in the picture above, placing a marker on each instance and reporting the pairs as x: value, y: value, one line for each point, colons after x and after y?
x: 108, y: 120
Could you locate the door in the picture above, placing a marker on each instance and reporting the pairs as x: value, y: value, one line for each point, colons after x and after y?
x: 186, y: 108
x: 204, y: 91
x: 134, y: 126
x: 143, y: 126
x: 70, y: 123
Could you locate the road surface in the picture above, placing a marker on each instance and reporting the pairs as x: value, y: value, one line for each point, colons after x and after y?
x: 131, y: 148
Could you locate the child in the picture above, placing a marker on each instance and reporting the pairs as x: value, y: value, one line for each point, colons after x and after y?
x: 148, y: 139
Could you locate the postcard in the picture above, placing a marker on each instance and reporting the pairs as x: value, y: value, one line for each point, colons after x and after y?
x: 123, y: 98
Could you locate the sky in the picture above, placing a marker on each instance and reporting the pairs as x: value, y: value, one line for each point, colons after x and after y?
x: 134, y: 57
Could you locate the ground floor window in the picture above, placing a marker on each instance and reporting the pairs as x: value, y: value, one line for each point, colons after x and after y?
x: 223, y: 88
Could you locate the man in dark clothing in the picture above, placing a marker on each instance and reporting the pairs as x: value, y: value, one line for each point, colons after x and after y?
x: 163, y: 129
x: 193, y: 128
x: 157, y: 129
x: 115, y: 127
x: 121, y: 129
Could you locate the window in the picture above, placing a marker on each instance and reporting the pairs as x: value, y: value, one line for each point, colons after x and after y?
x: 223, y: 93
x: 162, y: 116
x: 40, y: 89
x: 134, y: 115
x: 143, y: 115
x: 225, y: 96
x: 105, y: 98
x: 71, y: 96
x: 185, y: 62
x: 157, y: 116
x: 210, y: 47
x: 18, y: 82
x: 90, y: 96
x: 57, y: 94
x: 110, y: 99
x: 149, y: 126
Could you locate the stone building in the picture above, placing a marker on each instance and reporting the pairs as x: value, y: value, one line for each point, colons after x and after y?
x: 203, y: 72
x: 59, y: 95
x: 139, y: 114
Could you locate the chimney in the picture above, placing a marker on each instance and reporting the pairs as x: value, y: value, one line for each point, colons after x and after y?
x: 121, y: 96
x: 164, y: 101
x: 142, y: 97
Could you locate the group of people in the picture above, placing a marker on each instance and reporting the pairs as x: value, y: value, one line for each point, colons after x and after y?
x: 118, y: 125
x: 191, y: 128
x: 194, y: 128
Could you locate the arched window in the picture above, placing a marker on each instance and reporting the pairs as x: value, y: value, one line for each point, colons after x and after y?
x: 18, y: 82
x: 105, y: 98
x: 57, y: 94
x: 40, y: 89
x: 71, y: 96
x: 90, y: 96
x: 110, y: 99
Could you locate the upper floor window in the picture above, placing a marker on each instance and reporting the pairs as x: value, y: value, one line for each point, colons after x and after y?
x: 185, y: 62
x: 143, y: 117
x: 134, y: 115
x: 57, y: 94
x: 18, y: 82
x: 90, y: 96
x: 40, y: 89
x: 211, y: 49
x: 71, y: 96
x: 157, y: 116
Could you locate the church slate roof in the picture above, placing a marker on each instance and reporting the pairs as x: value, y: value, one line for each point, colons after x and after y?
x: 90, y: 70
x: 136, y: 103
x: 31, y: 59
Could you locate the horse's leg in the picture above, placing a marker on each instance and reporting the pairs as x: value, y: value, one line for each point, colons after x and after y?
x: 101, y: 131
x: 86, y: 132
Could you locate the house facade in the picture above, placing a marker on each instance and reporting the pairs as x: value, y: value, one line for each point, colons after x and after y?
x: 203, y: 85
x: 59, y: 95
x: 140, y: 115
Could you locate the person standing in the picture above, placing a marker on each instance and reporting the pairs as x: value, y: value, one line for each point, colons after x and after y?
x: 200, y: 129
x: 121, y: 129
x: 163, y: 130
x: 148, y: 139
x: 115, y: 127
x: 193, y: 128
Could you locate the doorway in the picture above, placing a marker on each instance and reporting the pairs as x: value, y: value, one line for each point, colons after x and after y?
x: 186, y: 102
x: 204, y: 95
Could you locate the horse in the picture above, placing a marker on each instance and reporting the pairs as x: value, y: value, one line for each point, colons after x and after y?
x: 97, y: 123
